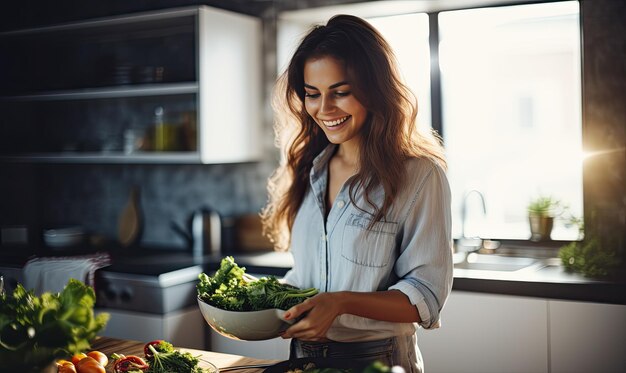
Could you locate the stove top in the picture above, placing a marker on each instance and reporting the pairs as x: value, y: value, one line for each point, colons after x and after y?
x: 153, y: 288
x: 152, y: 269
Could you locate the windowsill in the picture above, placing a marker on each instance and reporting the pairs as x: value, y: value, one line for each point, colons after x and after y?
x: 526, y: 248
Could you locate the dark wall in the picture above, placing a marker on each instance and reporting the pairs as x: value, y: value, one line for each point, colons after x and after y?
x: 93, y: 196
x: 604, y: 118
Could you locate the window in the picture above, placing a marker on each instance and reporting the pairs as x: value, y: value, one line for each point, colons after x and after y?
x: 511, y: 113
x: 510, y: 83
x: 408, y: 36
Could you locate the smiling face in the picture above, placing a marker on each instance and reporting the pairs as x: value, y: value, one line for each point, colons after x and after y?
x: 330, y: 102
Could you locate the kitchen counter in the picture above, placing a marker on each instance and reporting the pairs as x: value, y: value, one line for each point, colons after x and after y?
x: 549, y: 281
x: 109, y: 346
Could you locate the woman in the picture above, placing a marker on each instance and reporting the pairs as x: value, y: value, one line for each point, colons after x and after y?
x: 362, y: 201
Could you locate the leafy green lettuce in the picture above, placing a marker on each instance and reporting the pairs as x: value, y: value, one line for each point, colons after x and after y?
x: 36, y: 330
x: 229, y: 289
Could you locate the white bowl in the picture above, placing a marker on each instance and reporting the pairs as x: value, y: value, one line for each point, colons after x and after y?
x: 246, y: 326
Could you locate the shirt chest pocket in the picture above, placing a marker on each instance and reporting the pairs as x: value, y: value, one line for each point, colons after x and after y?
x: 368, y: 246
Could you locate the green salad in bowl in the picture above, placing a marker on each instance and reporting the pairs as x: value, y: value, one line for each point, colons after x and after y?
x: 240, y: 306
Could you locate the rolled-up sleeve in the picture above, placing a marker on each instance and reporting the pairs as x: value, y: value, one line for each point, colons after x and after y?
x: 424, y: 266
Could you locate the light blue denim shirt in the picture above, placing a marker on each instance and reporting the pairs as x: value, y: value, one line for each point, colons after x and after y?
x: 410, y: 251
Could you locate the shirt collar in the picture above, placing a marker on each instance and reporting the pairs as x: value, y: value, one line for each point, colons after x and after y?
x: 322, y: 159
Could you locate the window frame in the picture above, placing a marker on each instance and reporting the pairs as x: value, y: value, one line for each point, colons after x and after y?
x: 550, y: 246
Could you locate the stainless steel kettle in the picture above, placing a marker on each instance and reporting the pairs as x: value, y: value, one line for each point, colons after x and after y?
x: 206, y: 233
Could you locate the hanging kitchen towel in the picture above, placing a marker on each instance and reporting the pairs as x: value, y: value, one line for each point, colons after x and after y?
x: 52, y: 273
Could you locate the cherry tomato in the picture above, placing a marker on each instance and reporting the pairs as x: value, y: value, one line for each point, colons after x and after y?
x: 89, y: 365
x: 63, y: 362
x: 78, y: 357
x: 99, y: 357
x: 160, y: 345
x: 130, y: 362
x: 67, y: 367
x: 146, y: 347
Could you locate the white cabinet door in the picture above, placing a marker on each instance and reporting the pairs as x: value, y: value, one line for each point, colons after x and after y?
x: 229, y: 63
x: 486, y: 333
x: 587, y: 337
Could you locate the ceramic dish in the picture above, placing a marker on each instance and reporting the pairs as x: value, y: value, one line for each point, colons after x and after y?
x: 63, y: 237
x: 247, y: 326
x: 208, y: 366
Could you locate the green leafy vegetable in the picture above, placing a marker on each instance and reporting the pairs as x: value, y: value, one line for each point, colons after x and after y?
x: 36, y: 330
x: 230, y: 290
x: 377, y: 367
x: 173, y: 361
x: 590, y: 258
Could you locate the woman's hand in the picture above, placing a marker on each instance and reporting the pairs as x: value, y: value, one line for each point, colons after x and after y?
x: 322, y: 310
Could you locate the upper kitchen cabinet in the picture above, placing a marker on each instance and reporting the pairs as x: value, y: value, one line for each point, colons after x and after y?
x: 175, y: 86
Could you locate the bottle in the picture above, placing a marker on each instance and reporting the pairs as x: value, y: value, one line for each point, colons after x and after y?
x: 132, y: 138
x: 159, y: 130
x: 165, y: 134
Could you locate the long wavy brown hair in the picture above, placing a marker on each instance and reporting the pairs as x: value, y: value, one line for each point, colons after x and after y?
x: 389, y: 135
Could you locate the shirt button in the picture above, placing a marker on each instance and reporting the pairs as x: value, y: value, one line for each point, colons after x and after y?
x: 340, y: 204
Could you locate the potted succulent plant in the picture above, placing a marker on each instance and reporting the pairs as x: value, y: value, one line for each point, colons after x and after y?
x: 541, y: 213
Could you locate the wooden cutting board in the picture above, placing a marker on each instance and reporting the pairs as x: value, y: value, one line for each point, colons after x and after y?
x: 130, y: 224
x: 127, y: 347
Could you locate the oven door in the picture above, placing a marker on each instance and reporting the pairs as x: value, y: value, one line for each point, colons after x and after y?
x: 152, y: 302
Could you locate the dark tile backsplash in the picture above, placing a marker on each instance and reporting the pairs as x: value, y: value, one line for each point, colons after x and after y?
x: 169, y: 193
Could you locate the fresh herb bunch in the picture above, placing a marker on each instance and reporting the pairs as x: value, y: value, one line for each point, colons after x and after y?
x: 165, y: 359
x: 590, y: 258
x: 36, y: 330
x: 230, y: 290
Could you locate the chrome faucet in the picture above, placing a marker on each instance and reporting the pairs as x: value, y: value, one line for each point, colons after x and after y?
x: 474, y: 243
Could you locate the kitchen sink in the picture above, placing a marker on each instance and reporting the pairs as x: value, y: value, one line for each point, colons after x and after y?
x: 490, y: 262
